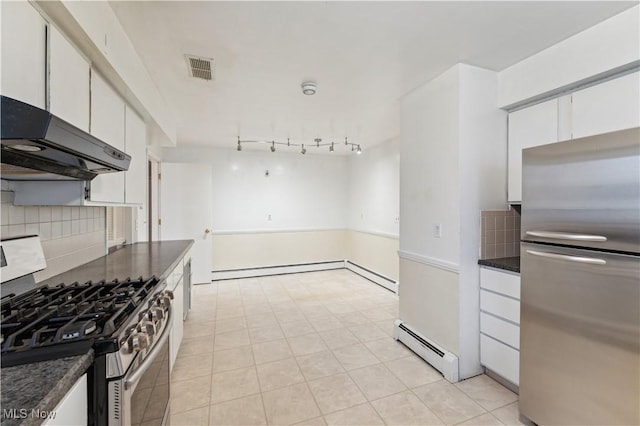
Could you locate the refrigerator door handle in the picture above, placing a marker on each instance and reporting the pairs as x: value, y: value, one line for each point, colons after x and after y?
x: 566, y: 236
x: 577, y: 259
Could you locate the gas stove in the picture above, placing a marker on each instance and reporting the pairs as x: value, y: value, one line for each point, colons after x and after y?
x: 127, y: 324
x: 51, y: 322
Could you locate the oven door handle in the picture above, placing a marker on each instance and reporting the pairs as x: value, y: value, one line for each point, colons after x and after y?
x: 136, y: 375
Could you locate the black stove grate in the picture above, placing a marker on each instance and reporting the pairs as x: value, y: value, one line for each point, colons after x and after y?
x: 59, y: 318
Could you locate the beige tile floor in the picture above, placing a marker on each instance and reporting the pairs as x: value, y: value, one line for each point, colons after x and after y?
x: 314, y: 349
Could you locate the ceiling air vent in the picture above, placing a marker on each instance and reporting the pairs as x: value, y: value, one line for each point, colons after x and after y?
x: 200, y: 67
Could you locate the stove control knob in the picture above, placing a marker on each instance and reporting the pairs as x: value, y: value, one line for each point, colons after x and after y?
x: 156, y: 314
x: 168, y: 293
x: 148, y: 327
x: 164, y: 302
x: 139, y: 341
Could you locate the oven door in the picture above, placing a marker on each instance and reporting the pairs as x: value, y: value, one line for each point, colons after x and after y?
x: 142, y: 395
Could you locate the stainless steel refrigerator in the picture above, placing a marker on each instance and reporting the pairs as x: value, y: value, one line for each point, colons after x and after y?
x: 580, y: 269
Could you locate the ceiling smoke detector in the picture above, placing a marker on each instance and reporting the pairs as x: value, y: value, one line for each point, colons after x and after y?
x: 200, y: 67
x: 309, y: 88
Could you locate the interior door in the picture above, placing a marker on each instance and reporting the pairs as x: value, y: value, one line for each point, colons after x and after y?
x: 186, y: 212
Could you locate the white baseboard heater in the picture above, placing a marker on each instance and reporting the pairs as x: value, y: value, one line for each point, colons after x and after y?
x: 231, y: 274
x: 375, y: 277
x: 442, y: 360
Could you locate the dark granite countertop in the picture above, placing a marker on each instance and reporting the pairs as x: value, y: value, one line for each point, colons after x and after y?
x: 39, y: 386
x: 507, y: 263
x: 42, y: 385
x: 134, y: 260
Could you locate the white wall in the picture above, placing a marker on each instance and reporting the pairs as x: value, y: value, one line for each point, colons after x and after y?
x: 373, y: 211
x: 302, y: 192
x: 374, y: 188
x: 612, y: 44
x: 453, y: 165
x: 429, y: 168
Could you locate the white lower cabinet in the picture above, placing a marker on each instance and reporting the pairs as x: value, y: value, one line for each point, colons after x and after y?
x: 177, y: 329
x: 72, y: 410
x: 500, y: 323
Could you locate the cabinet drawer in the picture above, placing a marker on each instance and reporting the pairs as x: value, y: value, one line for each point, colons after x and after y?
x: 500, y: 329
x: 500, y: 358
x: 500, y: 282
x: 501, y: 306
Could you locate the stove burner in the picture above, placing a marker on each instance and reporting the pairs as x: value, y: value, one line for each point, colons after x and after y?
x: 63, y: 315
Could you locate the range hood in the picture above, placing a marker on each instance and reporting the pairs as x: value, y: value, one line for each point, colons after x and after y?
x: 37, y: 145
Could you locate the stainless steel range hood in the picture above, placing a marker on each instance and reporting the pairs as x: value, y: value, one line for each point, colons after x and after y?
x: 37, y: 145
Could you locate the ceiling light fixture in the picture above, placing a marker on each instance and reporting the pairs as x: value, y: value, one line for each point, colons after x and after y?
x: 309, y: 88
x: 317, y: 143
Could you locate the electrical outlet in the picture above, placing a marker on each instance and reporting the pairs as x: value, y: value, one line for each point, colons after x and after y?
x: 437, y: 230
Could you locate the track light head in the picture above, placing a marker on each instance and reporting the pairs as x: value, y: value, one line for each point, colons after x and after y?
x: 239, y: 146
x: 331, y: 147
x: 359, y: 150
x: 303, y: 150
x: 273, y: 146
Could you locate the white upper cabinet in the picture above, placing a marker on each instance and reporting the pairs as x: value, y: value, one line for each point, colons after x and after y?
x: 107, y: 124
x: 23, y: 53
x: 135, y: 143
x: 533, y: 126
x: 69, y: 71
x: 607, y: 107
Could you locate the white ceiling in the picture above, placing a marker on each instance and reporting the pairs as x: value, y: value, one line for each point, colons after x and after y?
x: 363, y: 55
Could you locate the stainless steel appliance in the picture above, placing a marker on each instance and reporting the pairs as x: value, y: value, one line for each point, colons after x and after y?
x: 37, y: 145
x: 126, y: 323
x: 580, y: 269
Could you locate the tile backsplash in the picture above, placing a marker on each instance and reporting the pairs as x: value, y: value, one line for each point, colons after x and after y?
x: 70, y: 236
x: 499, y: 234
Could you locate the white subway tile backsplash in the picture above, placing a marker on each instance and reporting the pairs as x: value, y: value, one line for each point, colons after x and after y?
x: 16, y: 230
x: 45, y: 214
x: 32, y: 229
x: 16, y: 215
x: 70, y: 236
x: 45, y: 231
x: 56, y: 230
x: 31, y: 214
x: 56, y: 213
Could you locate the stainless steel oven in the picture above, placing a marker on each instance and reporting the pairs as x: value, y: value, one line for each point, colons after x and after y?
x: 142, y: 395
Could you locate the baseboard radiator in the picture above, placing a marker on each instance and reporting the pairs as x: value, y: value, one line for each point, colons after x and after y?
x: 442, y: 360
x: 372, y: 276
x: 231, y: 274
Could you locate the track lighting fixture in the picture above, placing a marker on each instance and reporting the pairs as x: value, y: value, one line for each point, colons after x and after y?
x: 317, y: 143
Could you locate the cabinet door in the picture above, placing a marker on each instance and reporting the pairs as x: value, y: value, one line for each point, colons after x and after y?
x: 23, y: 53
x: 68, y: 74
x: 107, y: 124
x: 135, y: 144
x: 533, y: 126
x: 72, y: 410
x: 177, y: 329
x: 607, y: 107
